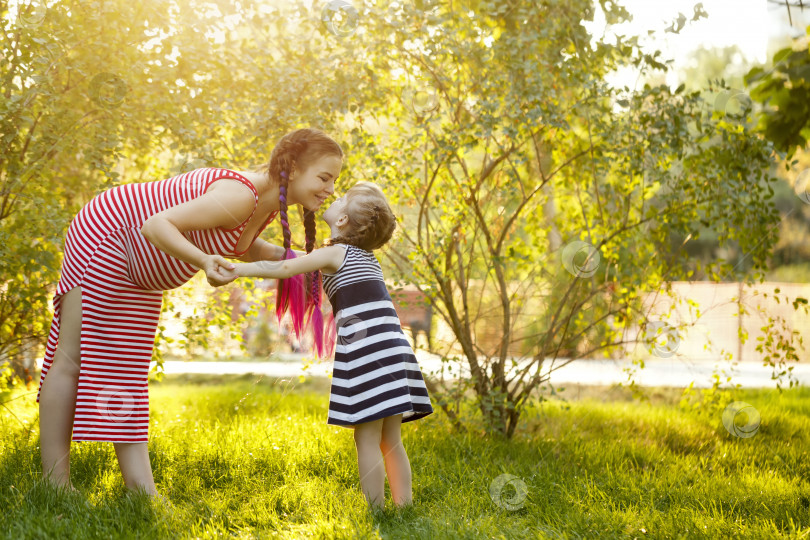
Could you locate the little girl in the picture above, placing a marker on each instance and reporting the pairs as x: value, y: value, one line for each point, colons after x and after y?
x: 376, y: 382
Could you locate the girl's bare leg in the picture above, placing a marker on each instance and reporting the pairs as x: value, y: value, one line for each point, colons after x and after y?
x: 57, y: 399
x: 369, y: 461
x: 133, y: 458
x: 397, y: 465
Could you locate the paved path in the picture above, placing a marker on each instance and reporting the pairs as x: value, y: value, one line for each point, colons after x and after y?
x: 658, y: 372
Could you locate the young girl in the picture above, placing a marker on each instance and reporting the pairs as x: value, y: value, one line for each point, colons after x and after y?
x: 376, y: 382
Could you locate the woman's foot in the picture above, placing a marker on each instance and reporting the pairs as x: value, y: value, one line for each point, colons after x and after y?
x: 67, y: 487
x: 164, y: 501
x: 155, y: 497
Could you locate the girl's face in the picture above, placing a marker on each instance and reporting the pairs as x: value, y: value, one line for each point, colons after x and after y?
x: 336, y: 210
x: 312, y: 186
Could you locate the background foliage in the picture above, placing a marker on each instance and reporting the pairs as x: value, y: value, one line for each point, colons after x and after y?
x: 489, y: 124
x: 540, y: 203
x: 100, y: 93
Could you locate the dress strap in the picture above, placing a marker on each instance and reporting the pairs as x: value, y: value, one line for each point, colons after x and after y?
x: 227, y: 174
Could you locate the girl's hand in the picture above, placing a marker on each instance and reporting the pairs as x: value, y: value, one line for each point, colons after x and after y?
x: 218, y: 270
x: 239, y: 269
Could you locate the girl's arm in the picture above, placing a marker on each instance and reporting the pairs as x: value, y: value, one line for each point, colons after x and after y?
x: 327, y: 259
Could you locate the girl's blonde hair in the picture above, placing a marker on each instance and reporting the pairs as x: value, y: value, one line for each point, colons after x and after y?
x: 371, y: 220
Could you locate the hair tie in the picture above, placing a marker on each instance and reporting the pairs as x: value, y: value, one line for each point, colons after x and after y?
x: 284, y: 174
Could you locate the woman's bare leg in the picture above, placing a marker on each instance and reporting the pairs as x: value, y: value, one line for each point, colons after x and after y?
x: 57, y: 399
x: 133, y: 458
x: 397, y: 465
x: 57, y: 406
x: 369, y: 461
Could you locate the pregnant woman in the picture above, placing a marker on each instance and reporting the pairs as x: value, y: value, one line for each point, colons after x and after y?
x: 127, y: 246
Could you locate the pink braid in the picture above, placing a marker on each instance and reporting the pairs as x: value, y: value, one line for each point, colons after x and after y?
x: 291, y: 291
x: 329, y: 335
x: 314, y: 296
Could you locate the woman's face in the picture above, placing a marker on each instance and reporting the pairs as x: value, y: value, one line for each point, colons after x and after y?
x: 312, y: 186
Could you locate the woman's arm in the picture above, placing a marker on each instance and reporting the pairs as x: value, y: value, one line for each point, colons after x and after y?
x: 263, y: 251
x: 327, y: 259
x: 226, y: 207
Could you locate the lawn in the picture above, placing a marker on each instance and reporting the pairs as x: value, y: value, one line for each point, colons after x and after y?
x: 253, y: 457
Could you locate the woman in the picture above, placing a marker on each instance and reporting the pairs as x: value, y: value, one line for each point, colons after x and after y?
x: 127, y: 246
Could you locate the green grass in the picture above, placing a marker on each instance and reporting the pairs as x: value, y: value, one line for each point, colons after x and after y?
x: 255, y: 458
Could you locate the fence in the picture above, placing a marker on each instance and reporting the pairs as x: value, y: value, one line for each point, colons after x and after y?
x: 720, y: 321
x: 709, y: 336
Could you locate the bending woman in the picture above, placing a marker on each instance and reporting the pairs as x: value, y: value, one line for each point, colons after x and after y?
x: 122, y: 250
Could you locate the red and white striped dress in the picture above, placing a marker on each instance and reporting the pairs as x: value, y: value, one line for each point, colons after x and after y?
x: 122, y: 277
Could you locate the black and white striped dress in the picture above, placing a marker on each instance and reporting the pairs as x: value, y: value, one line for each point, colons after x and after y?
x: 375, y: 371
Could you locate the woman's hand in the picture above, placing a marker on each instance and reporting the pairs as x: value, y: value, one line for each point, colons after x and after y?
x: 218, y: 270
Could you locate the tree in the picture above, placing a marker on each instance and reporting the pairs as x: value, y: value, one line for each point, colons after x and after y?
x: 538, y: 204
x: 97, y: 93
x: 716, y: 64
x: 711, y: 64
x: 784, y: 90
x: 497, y: 135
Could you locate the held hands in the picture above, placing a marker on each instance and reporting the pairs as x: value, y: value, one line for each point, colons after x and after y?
x: 218, y: 270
